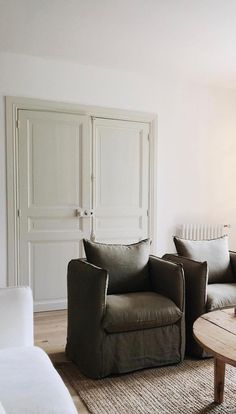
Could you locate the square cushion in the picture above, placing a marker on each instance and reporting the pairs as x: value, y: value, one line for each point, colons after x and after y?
x: 140, y: 310
x: 221, y: 295
x: 214, y: 251
x: 127, y: 265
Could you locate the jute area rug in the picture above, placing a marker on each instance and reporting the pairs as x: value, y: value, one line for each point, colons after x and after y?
x: 185, y: 388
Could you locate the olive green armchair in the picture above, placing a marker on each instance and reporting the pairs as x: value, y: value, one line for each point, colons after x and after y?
x: 125, y: 310
x: 210, y: 280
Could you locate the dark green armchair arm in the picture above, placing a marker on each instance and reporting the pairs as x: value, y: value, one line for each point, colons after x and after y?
x: 167, y: 278
x: 233, y: 262
x: 196, y: 278
x: 87, y: 289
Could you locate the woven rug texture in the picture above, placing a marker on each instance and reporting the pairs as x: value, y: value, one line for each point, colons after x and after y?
x: 186, y: 388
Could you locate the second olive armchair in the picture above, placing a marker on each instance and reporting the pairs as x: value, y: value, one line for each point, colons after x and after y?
x: 210, y: 280
x: 125, y: 310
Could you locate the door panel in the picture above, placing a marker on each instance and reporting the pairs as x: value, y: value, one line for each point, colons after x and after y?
x: 55, y: 168
x: 52, y: 156
x: 121, y: 180
x: 49, y: 267
x: 54, y: 183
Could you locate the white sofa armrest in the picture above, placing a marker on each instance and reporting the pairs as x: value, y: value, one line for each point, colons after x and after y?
x: 2, y: 411
x: 16, y: 317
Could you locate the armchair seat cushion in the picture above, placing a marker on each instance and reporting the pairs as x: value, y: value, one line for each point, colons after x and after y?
x: 140, y: 310
x: 220, y: 295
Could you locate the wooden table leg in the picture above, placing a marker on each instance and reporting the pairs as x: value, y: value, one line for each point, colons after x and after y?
x: 219, y: 380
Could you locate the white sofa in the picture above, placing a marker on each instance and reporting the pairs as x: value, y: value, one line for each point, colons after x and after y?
x: 29, y: 384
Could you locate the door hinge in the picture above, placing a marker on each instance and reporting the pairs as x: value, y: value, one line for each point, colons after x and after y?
x: 92, y: 177
x: 148, y: 213
x: 148, y: 137
x: 17, y: 124
x: 18, y: 212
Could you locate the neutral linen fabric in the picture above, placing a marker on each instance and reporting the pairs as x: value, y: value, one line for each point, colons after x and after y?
x: 2, y: 411
x: 215, y: 252
x: 127, y: 265
x: 139, y: 310
x: 16, y: 317
x: 29, y: 384
x: 99, y: 353
x: 220, y: 295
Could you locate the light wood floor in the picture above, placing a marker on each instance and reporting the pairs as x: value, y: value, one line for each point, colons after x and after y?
x: 50, y: 334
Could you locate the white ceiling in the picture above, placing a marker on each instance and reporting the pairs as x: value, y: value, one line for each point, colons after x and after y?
x: 195, y: 38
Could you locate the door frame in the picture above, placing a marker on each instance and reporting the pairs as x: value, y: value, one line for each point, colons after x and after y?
x: 13, y: 105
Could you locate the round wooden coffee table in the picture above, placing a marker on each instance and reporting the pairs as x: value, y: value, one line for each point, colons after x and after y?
x: 216, y: 332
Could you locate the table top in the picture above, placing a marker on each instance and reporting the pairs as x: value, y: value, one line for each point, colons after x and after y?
x: 216, y: 332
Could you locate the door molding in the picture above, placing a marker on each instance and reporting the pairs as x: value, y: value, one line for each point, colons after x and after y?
x: 13, y: 104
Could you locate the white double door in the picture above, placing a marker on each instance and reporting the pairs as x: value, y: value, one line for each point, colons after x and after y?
x: 78, y: 177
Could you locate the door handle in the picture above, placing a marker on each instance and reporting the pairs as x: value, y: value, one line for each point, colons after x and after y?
x: 83, y: 213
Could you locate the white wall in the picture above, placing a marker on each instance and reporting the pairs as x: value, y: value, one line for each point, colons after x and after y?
x: 197, y: 148
x: 196, y: 135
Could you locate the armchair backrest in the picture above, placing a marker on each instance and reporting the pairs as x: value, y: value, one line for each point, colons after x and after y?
x: 16, y: 317
x: 215, y: 252
x: 127, y: 265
